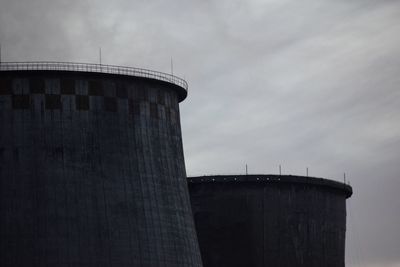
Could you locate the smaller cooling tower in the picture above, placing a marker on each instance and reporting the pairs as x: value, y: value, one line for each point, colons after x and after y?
x: 270, y: 220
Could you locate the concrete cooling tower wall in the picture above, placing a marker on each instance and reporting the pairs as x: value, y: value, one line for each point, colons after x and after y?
x: 270, y: 220
x: 91, y: 168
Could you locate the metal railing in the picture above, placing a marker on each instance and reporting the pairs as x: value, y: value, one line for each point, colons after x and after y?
x: 97, y: 68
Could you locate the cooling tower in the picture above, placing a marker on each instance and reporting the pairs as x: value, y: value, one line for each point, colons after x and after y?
x: 91, y: 167
x: 270, y: 220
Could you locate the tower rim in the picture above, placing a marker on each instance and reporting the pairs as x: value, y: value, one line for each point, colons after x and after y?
x: 273, y: 178
x: 54, y: 66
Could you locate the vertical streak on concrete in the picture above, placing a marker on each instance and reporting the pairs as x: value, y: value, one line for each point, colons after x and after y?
x: 126, y: 197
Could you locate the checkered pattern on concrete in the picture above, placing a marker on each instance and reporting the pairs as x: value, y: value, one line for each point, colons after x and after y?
x: 85, y: 95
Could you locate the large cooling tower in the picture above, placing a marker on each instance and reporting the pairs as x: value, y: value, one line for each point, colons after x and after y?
x: 270, y: 220
x: 91, y: 168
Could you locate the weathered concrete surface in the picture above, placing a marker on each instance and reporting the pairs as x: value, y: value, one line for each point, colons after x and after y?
x: 92, y: 172
x: 269, y: 220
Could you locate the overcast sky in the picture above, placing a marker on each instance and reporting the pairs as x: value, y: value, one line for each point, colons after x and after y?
x: 311, y: 83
